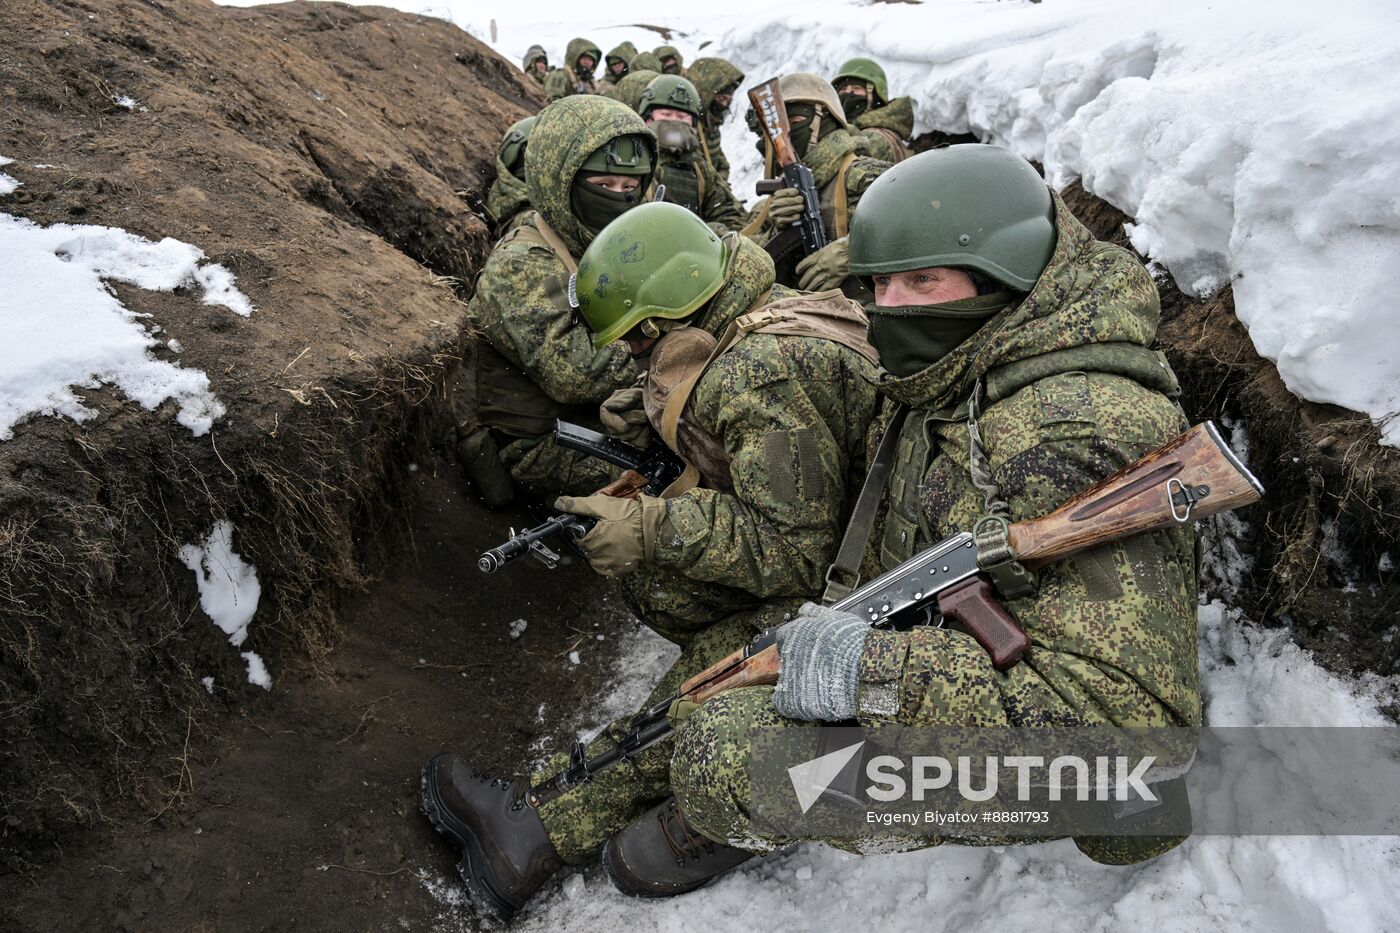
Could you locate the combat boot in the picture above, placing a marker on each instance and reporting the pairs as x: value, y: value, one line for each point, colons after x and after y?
x: 659, y: 854
x: 506, y: 853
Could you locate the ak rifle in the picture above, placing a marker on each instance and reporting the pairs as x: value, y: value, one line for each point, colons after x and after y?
x: 647, y: 471
x: 1193, y: 476
x: 808, y: 235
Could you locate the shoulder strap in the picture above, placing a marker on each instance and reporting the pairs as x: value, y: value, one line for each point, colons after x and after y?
x: 551, y: 239
x: 843, y: 214
x: 699, y: 184
x: 669, y: 428
x: 844, y: 573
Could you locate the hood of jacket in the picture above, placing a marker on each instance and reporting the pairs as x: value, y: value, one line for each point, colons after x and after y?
x: 579, y: 47
x: 567, y: 133
x: 897, y: 115
x: 1091, y: 294
x: 630, y: 88
x: 710, y: 76
x: 507, y: 195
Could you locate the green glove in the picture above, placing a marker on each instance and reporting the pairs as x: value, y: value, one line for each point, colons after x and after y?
x: 626, y: 533
x: 785, y: 207
x: 826, y: 268
x: 624, y: 418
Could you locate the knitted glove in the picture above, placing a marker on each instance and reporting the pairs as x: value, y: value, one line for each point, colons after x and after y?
x: 820, y: 652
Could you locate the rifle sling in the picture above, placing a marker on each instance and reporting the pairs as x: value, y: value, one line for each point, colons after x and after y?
x: 846, y: 566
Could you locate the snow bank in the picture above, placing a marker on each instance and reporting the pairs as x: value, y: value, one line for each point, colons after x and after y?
x: 1256, y: 144
x: 63, y: 327
x: 228, y: 591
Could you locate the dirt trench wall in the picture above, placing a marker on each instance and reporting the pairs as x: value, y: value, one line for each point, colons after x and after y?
x: 331, y: 157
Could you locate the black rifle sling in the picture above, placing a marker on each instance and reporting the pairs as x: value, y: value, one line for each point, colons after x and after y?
x: 844, y: 573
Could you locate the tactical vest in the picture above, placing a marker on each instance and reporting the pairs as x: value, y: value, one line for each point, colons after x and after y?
x: 672, y: 377
x: 685, y: 184
x: 507, y: 399
x: 906, y: 530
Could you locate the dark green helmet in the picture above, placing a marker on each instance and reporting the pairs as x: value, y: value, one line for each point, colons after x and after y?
x: 863, y: 69
x: 656, y: 260
x: 973, y: 207
x: 512, y: 152
x: 670, y: 91
x: 622, y: 155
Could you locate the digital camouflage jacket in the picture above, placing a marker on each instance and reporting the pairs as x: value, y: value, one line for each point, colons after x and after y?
x: 565, y: 81
x: 889, y: 128
x: 825, y: 160
x: 1073, y: 394
x: 539, y: 362
x: 508, y: 197
x: 710, y: 76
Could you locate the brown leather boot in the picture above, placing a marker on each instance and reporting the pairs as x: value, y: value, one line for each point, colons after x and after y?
x: 506, y: 853
x: 660, y: 855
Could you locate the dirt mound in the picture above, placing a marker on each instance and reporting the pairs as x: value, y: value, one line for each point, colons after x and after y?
x: 332, y: 158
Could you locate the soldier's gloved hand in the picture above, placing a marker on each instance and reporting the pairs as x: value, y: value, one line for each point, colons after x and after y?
x: 624, y: 418
x: 826, y: 268
x: 820, y: 653
x: 626, y: 532
x: 785, y: 207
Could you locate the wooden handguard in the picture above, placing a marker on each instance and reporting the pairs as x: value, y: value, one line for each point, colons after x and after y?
x: 1194, y: 476
x: 973, y: 606
x: 758, y: 669
x: 626, y: 486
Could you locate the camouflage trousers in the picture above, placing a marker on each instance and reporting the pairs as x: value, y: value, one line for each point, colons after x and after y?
x: 580, y: 821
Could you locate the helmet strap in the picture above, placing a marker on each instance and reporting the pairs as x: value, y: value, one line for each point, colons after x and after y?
x: 816, y: 130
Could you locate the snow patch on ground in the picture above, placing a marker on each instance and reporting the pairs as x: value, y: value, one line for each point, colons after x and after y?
x: 64, y: 327
x: 8, y: 183
x: 228, y: 591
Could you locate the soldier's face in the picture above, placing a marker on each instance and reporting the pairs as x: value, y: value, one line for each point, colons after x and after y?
x: 923, y: 287
x: 617, y: 184
x: 617, y: 67
x: 540, y: 67
x: 670, y: 113
x: 586, y: 62
x: 724, y: 99
x: 670, y: 66
x: 859, y: 90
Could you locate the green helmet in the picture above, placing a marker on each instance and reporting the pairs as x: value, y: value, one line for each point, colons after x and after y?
x: 656, y: 260
x: 622, y: 155
x: 863, y: 69
x: 645, y: 61
x: 513, y: 144
x: 973, y: 206
x: 670, y: 91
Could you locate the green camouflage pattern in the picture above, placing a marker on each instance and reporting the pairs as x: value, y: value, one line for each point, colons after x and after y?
x: 534, y: 54
x: 694, y: 185
x: 521, y: 304
x: 565, y: 80
x: 897, y: 118
x: 508, y: 198
x: 663, y: 52
x: 1113, y: 631
x: 792, y: 413
x: 623, y: 52
x: 710, y: 76
x: 629, y: 89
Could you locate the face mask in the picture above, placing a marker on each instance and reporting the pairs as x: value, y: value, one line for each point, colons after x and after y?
x: 911, y: 338
x: 854, y: 104
x: 674, y: 136
x: 670, y: 67
x: 597, y: 207
x: 801, y: 135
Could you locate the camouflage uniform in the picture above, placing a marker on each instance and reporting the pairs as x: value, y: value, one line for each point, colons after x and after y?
x: 1072, y: 394
x: 565, y: 81
x: 889, y: 128
x: 537, y: 360
x: 535, y: 54
x: 646, y: 61
x: 508, y: 200
x: 629, y: 89
x: 710, y: 76
x: 607, y: 85
x: 792, y: 411
x: 692, y: 184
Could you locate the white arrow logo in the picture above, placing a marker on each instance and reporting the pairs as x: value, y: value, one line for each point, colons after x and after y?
x: 811, y: 778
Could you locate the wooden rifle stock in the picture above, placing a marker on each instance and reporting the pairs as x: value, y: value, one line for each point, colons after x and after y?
x: 1194, y: 476
x: 767, y: 101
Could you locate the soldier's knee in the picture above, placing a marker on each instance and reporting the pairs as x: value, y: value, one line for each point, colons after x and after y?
x: 710, y: 765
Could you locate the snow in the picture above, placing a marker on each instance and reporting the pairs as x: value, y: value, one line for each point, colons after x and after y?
x: 228, y: 591
x: 8, y: 183
x: 64, y: 328
x: 517, y: 628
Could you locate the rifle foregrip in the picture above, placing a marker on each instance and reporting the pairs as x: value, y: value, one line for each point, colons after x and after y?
x: 974, y: 607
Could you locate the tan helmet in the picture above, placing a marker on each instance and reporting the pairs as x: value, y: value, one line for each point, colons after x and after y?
x: 813, y: 89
